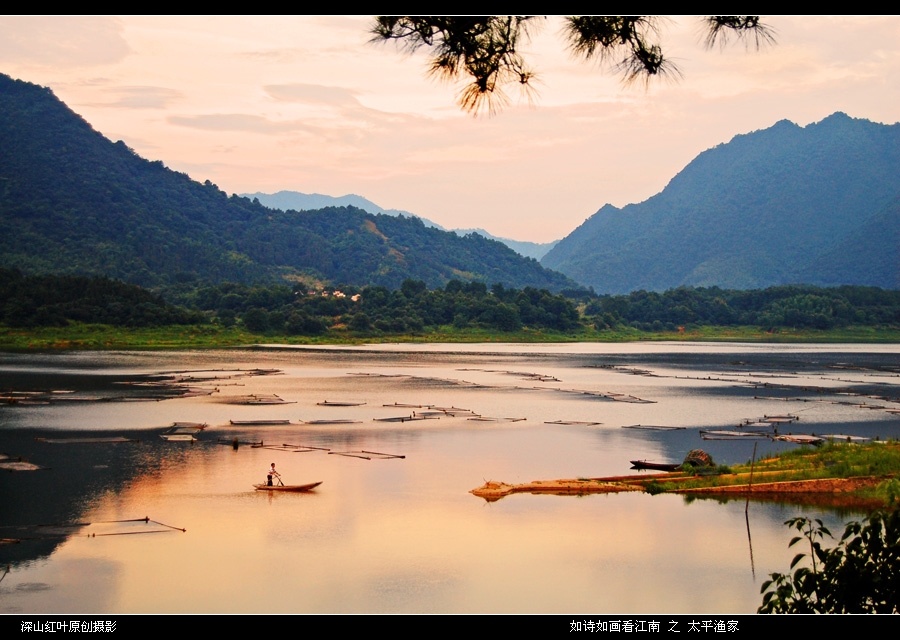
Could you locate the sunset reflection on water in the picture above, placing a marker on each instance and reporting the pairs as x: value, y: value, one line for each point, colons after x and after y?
x: 404, y: 534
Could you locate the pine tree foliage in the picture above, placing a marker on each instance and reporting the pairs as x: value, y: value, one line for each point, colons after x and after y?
x: 488, y: 49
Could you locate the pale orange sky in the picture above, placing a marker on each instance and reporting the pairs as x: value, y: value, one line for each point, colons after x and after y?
x: 305, y: 103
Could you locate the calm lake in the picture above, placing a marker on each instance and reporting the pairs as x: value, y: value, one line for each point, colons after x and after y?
x: 393, y: 527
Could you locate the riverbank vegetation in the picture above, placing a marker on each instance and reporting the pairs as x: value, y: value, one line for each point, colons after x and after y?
x: 878, y: 460
x: 80, y: 312
x: 839, y: 475
x: 859, y: 574
x: 99, y: 336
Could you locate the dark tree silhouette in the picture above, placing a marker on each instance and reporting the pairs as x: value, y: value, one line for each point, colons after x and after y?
x: 486, y: 48
x: 860, y: 574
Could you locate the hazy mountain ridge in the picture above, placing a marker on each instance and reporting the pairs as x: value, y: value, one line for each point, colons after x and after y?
x: 299, y: 201
x: 536, y: 250
x: 72, y: 201
x: 771, y: 207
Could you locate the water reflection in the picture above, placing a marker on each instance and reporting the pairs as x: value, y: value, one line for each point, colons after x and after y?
x: 403, y: 534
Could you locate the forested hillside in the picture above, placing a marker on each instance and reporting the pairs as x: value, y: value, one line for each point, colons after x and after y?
x: 286, y: 200
x: 73, y: 202
x: 818, y: 204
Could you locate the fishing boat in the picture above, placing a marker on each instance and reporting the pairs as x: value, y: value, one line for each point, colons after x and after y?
x: 801, y: 438
x: 729, y: 434
x: 290, y: 488
x: 408, y: 418
x: 178, y: 437
x: 196, y: 426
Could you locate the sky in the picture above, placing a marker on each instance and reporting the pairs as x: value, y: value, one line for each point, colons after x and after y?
x: 310, y: 104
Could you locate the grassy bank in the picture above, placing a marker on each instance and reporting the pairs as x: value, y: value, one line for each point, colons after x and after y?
x: 95, y: 336
x: 839, y: 475
x: 832, y: 461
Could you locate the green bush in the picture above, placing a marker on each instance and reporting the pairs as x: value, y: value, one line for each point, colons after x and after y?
x: 861, y: 574
x: 654, y: 488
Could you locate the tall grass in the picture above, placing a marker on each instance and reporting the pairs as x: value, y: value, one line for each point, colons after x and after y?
x: 95, y: 336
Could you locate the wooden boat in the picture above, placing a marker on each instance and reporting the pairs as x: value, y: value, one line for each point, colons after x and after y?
x: 109, y: 440
x: 408, y: 418
x: 656, y: 466
x: 801, y: 438
x: 290, y: 488
x: 653, y: 427
x: 178, y: 437
x: 726, y: 434
x: 199, y: 426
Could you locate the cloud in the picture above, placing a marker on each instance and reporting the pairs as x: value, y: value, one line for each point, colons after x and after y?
x: 271, y: 56
x: 237, y: 122
x: 142, y: 97
x: 312, y: 93
x: 62, y: 41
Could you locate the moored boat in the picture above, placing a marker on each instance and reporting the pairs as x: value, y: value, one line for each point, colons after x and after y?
x: 656, y: 466
x: 178, y: 437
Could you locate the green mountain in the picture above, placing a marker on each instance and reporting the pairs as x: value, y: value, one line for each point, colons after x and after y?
x: 286, y: 200
x: 72, y: 201
x: 298, y: 201
x: 818, y: 204
x: 536, y: 250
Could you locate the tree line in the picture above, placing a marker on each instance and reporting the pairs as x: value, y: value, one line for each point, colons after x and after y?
x: 56, y: 300
x: 413, y: 307
x: 795, y: 306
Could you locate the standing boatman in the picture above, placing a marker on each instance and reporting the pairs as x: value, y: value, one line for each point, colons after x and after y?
x: 270, y: 474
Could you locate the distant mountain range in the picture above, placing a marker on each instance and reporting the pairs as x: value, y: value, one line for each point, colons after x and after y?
x: 297, y: 201
x: 536, y: 250
x: 72, y: 201
x: 818, y: 205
